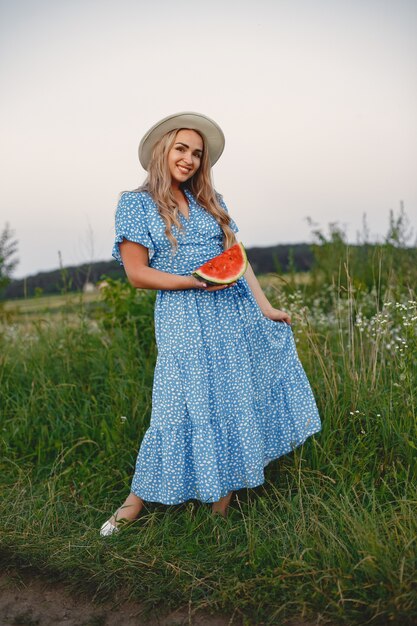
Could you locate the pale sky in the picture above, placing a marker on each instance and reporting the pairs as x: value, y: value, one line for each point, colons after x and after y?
x: 317, y: 99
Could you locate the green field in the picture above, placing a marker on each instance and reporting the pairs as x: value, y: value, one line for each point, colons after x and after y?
x: 331, y: 533
x: 38, y: 306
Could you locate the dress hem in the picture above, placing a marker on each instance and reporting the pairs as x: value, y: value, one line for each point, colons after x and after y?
x: 234, y: 487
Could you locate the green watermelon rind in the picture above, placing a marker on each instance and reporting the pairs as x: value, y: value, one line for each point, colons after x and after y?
x: 210, y: 281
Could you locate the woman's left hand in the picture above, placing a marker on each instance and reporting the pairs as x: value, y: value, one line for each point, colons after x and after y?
x: 276, y: 315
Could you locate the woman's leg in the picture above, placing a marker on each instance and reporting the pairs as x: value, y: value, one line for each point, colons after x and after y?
x: 221, y: 505
x: 129, y: 510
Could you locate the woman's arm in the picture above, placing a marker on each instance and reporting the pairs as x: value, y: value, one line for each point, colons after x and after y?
x: 267, y: 309
x: 136, y: 263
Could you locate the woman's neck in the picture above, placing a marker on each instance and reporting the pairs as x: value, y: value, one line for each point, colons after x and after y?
x: 177, y: 191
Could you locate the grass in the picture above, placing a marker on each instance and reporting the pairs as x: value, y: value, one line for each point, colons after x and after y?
x: 47, y: 304
x: 331, y: 534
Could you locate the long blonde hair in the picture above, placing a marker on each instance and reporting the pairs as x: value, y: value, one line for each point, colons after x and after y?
x: 158, y: 185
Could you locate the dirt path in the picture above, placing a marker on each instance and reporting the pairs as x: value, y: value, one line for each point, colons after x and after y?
x: 27, y: 600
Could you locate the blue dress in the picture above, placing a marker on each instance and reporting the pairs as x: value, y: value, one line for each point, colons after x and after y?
x: 229, y: 392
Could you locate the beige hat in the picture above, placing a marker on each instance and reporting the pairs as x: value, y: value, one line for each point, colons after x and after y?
x: 196, y: 121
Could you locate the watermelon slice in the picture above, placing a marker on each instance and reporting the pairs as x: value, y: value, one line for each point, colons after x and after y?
x: 225, y: 268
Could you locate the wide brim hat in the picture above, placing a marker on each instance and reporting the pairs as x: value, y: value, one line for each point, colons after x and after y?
x: 211, y: 131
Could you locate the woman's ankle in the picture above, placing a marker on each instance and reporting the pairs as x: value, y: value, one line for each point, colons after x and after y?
x: 129, y: 510
x: 222, y: 505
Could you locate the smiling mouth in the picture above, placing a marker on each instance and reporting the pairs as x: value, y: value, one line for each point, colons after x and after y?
x: 184, y: 170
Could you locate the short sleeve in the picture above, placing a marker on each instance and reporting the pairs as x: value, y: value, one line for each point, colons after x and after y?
x: 223, y: 205
x: 131, y: 223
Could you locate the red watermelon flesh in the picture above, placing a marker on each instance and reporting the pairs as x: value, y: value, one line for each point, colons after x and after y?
x: 225, y: 268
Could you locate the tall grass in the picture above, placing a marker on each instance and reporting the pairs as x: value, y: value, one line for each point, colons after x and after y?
x: 330, y: 535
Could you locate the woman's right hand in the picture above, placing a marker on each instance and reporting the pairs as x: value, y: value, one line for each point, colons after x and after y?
x: 199, y: 284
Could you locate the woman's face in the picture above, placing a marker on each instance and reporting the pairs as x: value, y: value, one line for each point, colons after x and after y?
x: 184, y: 158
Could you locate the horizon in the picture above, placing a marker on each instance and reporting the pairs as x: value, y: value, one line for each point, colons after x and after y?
x: 110, y: 259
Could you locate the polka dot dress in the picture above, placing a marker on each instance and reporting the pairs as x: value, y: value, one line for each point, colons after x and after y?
x: 229, y: 392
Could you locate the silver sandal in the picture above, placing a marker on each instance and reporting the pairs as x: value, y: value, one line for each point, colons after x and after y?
x: 108, y: 529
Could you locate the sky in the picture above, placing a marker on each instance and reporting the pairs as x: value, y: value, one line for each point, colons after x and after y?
x: 317, y: 100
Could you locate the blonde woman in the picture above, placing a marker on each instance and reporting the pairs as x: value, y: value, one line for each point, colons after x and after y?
x: 229, y: 392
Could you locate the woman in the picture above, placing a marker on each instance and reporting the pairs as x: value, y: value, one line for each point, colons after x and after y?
x: 229, y: 391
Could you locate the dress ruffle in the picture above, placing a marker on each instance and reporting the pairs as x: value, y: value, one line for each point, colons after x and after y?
x: 178, y: 458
